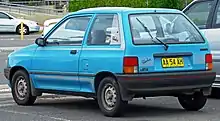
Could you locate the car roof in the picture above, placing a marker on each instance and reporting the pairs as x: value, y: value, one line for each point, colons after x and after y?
x: 125, y: 9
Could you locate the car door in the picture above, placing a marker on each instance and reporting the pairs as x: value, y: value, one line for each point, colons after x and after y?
x: 55, y: 66
x: 102, y: 47
x: 7, y: 24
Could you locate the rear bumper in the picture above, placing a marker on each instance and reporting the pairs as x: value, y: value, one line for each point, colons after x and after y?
x: 159, y: 84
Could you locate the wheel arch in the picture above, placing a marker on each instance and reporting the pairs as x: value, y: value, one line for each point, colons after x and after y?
x: 100, y: 75
x: 16, y: 68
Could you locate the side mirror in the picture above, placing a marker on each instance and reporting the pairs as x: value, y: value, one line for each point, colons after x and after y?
x: 40, y: 42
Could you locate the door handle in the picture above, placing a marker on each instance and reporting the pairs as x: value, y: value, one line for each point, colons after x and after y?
x: 73, y: 51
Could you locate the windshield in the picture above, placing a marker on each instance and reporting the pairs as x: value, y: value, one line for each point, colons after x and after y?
x: 169, y: 28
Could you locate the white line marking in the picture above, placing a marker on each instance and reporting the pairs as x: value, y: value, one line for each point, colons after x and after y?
x: 5, y: 90
x: 4, y: 86
x: 5, y: 95
x: 2, y: 49
x: 42, y: 116
x: 7, y: 102
x: 6, y: 105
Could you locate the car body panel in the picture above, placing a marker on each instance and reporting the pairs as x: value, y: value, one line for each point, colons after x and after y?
x: 53, y: 67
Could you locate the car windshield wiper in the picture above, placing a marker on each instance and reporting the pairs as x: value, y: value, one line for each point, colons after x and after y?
x: 147, y: 30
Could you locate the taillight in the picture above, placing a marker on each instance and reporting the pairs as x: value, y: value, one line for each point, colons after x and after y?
x: 130, y: 65
x: 208, y: 60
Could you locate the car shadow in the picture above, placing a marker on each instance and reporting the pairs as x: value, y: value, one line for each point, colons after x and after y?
x: 131, y: 110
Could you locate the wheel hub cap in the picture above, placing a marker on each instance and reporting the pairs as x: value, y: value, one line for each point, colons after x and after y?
x: 110, y: 96
x: 21, y: 88
x: 24, y: 30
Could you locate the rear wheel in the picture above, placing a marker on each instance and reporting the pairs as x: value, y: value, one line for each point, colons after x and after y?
x: 25, y: 29
x: 193, y: 102
x: 109, y: 99
x: 21, y: 89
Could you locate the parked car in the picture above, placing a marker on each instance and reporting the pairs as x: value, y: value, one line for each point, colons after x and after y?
x: 9, y: 23
x: 206, y: 15
x: 48, y: 24
x: 114, y: 55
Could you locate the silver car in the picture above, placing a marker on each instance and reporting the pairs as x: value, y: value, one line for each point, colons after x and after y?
x: 206, y: 15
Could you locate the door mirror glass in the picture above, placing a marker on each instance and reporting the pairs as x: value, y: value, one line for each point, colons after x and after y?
x: 40, y: 41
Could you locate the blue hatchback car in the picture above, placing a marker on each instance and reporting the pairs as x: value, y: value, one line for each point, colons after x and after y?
x: 114, y: 55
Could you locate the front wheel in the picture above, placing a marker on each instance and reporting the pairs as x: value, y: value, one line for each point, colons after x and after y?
x: 21, y: 89
x: 193, y: 102
x: 109, y: 98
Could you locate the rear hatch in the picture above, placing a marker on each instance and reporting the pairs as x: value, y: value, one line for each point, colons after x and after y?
x: 166, y: 43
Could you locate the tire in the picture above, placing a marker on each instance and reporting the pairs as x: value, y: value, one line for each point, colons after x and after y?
x: 22, y: 97
x: 215, y: 93
x: 26, y: 30
x: 110, y: 85
x: 193, y: 102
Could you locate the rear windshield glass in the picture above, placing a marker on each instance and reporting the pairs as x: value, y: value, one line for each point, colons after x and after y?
x: 169, y: 28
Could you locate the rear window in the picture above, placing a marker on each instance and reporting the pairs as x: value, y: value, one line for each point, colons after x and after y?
x: 169, y: 28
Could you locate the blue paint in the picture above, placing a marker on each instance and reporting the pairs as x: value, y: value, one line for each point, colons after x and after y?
x: 65, y: 70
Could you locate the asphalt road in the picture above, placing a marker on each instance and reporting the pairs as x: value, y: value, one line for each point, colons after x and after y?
x: 67, y: 108
x: 14, y: 40
x: 8, y: 41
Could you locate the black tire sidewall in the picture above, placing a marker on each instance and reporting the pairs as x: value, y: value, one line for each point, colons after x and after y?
x: 14, y: 83
x: 117, y: 110
x: 19, y: 26
x: 195, y: 105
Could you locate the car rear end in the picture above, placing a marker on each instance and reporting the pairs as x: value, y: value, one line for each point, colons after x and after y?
x: 165, y: 55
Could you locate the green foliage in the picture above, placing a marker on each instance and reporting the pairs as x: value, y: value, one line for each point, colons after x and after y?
x: 81, y: 4
x: 175, y: 4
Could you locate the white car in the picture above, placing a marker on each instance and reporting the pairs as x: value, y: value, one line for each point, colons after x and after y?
x: 9, y: 23
x: 49, y: 24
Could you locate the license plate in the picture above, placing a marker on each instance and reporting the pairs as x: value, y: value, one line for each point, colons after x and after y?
x: 172, y: 62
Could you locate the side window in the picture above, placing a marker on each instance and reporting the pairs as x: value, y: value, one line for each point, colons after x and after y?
x: 105, y: 30
x: 217, y: 18
x: 3, y: 16
x: 199, y: 13
x: 71, y: 31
